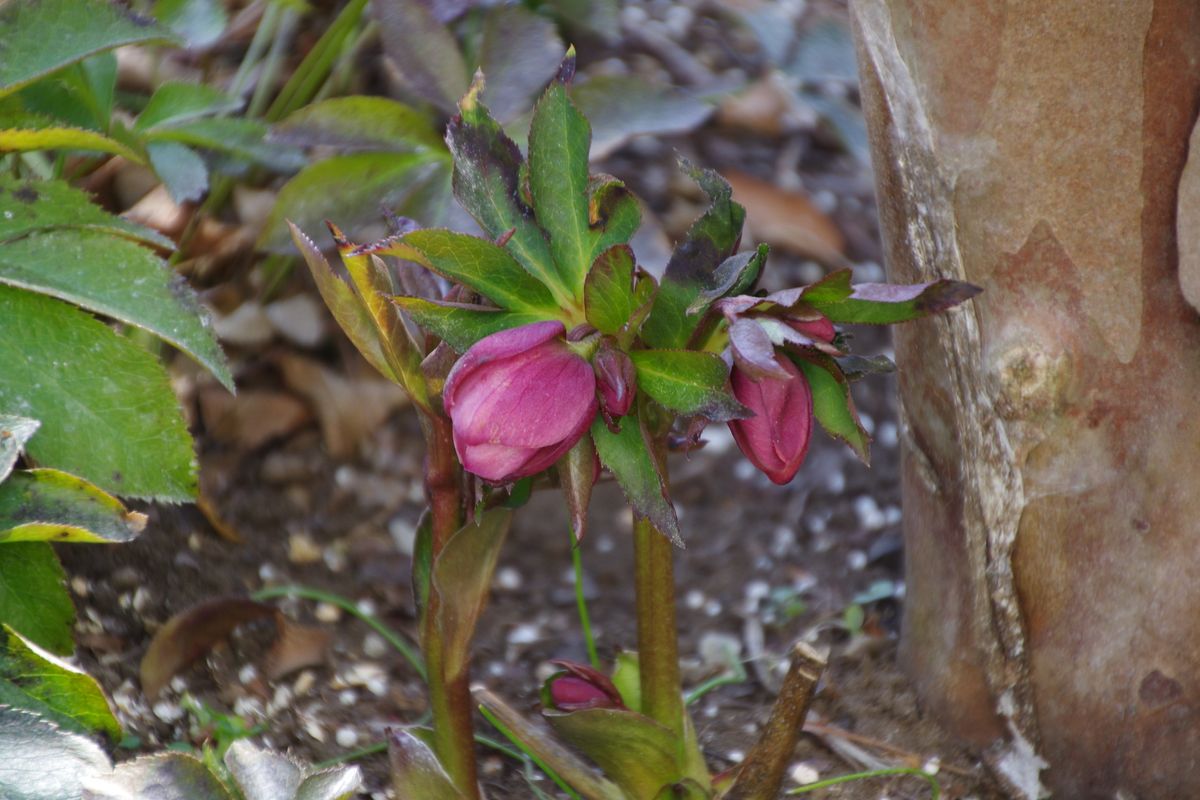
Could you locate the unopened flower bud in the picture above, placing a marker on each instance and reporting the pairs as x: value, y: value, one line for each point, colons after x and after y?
x: 616, y: 378
x: 776, y: 438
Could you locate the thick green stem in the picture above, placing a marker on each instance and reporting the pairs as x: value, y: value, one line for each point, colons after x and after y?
x: 658, y: 642
x: 449, y: 695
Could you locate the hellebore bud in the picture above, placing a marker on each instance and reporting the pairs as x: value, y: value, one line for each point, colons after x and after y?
x: 580, y: 687
x: 616, y: 378
x: 518, y: 400
x: 776, y: 438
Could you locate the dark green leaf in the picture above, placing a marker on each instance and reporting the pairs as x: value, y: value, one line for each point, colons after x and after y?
x: 106, y: 406
x: 117, y: 278
x: 559, y: 137
x: 359, y: 123
x: 628, y: 458
x: 688, y: 382
x: 608, y: 292
x: 735, y: 275
x: 40, y: 761
x: 27, y: 206
x: 461, y: 325
x: 476, y: 263
x: 487, y: 166
x: 613, y: 214
x: 711, y: 240
x: 352, y: 189
x: 462, y: 577
x: 833, y: 406
x: 14, y: 433
x: 33, y: 596
x: 41, y: 37
x: 176, y: 101
x: 45, y: 504
x: 182, y: 171
x: 416, y: 771
x: 633, y: 750
x: 240, y: 137
x: 858, y: 367
x: 199, y: 22
x: 163, y: 776
x: 63, y: 138
x: 887, y: 304
x: 519, y: 52
x: 621, y: 107
x: 424, y: 52
x: 37, y: 681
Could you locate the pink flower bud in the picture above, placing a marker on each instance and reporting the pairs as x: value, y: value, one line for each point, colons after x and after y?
x: 518, y: 400
x: 776, y: 438
x: 617, y: 379
x: 579, y: 687
x: 820, y: 329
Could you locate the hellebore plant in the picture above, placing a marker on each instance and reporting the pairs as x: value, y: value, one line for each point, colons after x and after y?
x: 544, y: 354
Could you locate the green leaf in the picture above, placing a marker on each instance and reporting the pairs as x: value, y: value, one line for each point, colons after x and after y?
x: 27, y: 206
x: 424, y: 52
x: 182, y: 171
x: 628, y: 458
x: 352, y: 189
x: 711, y: 240
x: 106, y: 406
x: 265, y: 775
x: 887, y: 304
x: 633, y: 750
x: 61, y: 138
x: 199, y: 22
x: 40, y: 761
x: 487, y: 168
x: 627, y: 678
x: 608, y: 291
x: 416, y: 771
x: 476, y: 263
x: 621, y: 107
x: 36, y: 681
x: 461, y: 325
x: 559, y: 138
x: 80, y: 95
x: 359, y: 123
x: 176, y: 101
x: 163, y: 776
x: 613, y: 214
x: 462, y: 577
x: 688, y: 382
x: 14, y: 433
x: 44, y: 36
x: 519, y: 52
x: 422, y: 565
x: 237, y: 136
x: 117, y: 278
x: 833, y: 405
x: 41, y: 505
x: 33, y: 596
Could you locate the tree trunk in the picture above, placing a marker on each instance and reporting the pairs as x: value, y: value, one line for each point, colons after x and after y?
x: 1039, y: 148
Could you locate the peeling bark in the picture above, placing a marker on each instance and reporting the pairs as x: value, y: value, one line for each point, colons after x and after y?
x: 1050, y: 430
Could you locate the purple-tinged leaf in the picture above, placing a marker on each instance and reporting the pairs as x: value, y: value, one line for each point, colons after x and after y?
x: 711, y: 239
x: 426, y: 56
x: 487, y: 167
x: 459, y: 324
x: 753, y: 350
x: 608, y: 297
x: 416, y: 771
x: 462, y: 576
x: 858, y: 367
x: 577, y: 472
x: 519, y: 52
x: 833, y: 405
x: 688, y: 382
x: 627, y: 456
x: 887, y: 304
x: 736, y: 275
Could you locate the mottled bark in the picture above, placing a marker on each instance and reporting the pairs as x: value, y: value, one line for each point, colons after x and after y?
x: 1050, y: 431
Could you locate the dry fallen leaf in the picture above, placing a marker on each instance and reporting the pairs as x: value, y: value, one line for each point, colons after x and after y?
x: 297, y: 646
x: 787, y: 220
x: 251, y: 418
x: 347, y: 409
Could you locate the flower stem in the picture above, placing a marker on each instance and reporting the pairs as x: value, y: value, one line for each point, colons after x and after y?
x: 658, y: 643
x: 585, y: 621
x: 449, y: 695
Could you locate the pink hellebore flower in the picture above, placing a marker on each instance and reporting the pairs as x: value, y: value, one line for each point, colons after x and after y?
x: 518, y: 400
x: 776, y: 438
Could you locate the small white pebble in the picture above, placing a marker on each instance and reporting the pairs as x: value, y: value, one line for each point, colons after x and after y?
x: 141, y: 598
x: 524, y: 633
x: 757, y: 590
x: 267, y: 573
x: 870, y: 516
x: 868, y: 423
x: 344, y: 476
x: 80, y: 586
x: 825, y: 200
x: 713, y: 608
x: 374, y: 645
x: 735, y: 756
x: 605, y: 544
x: 304, y: 682
x: 744, y: 471
x: 932, y: 766
x: 378, y: 685
x: 348, y: 697
x: 835, y: 482
x: 179, y: 684
x: 804, y: 774
x: 327, y: 612
x: 303, y: 549
x: 248, y: 707
x: 404, y: 535
x: 816, y: 523
x: 279, y: 700
x: 892, y: 515
x: 346, y: 736
x: 694, y: 599
x: 194, y: 542
x: 335, y: 559
x: 856, y: 560
x: 496, y: 669
x: 168, y: 712
x: 888, y: 435
x: 314, y: 729
x: 247, y: 674
x: 508, y: 579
